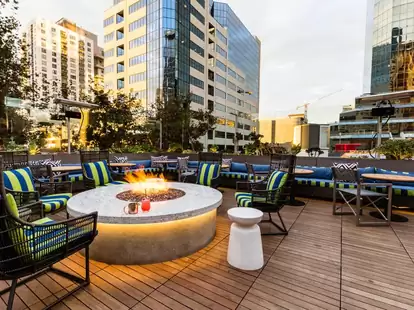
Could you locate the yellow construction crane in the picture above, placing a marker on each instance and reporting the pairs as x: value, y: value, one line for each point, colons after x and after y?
x: 306, y: 105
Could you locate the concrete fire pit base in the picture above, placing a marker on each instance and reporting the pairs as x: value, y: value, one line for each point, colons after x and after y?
x: 152, y: 243
x: 170, y: 230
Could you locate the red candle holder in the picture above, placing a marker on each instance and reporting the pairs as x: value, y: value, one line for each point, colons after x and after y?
x: 145, y: 205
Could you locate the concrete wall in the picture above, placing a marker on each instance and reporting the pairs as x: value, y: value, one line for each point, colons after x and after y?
x: 396, y: 165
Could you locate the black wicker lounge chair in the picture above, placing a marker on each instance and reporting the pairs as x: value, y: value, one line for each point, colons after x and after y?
x: 28, y: 250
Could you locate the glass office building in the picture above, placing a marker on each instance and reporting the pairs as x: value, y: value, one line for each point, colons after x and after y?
x: 392, y: 46
x: 392, y: 78
x: 158, y: 48
x: 244, y: 48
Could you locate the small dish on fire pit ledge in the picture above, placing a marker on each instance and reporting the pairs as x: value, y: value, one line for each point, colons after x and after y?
x: 132, y: 208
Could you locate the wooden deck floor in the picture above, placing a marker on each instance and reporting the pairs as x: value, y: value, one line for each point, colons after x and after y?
x: 325, y: 262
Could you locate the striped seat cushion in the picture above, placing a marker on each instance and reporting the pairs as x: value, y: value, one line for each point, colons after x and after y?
x: 98, y: 171
x: 245, y: 199
x: 47, y: 241
x: 55, y: 202
x: 116, y: 183
x: 207, y: 172
x: 20, y: 180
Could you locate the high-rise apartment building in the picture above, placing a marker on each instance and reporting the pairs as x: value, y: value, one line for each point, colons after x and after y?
x: 156, y: 48
x: 64, y: 53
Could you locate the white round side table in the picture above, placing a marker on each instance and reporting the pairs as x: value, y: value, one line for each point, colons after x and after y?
x: 245, y: 250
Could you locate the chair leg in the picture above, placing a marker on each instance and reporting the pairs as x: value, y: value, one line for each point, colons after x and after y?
x: 283, y: 230
x: 11, y: 296
x: 87, y: 273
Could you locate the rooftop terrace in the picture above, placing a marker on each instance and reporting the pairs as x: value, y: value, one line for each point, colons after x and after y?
x: 325, y: 262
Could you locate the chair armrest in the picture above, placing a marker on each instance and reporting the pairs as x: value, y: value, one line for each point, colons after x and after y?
x: 50, y: 188
x: 116, y: 176
x: 35, y: 207
x: 88, y: 182
x: 23, y: 197
x: 243, y: 186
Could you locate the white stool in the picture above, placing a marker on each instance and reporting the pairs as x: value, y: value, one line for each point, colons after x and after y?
x: 245, y: 250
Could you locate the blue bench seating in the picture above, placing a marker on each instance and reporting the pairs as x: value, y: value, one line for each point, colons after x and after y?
x: 322, y: 178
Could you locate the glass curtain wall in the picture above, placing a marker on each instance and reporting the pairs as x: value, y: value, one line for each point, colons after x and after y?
x: 393, y: 46
x: 244, y: 49
x: 168, y: 53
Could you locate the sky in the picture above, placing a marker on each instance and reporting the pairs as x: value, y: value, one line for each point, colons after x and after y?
x: 310, y: 48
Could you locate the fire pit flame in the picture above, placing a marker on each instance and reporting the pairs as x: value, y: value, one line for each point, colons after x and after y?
x: 147, y: 183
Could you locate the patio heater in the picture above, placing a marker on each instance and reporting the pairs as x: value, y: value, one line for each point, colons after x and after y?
x: 71, y: 114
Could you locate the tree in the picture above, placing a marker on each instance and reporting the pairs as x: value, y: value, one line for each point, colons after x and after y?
x: 397, y: 149
x: 180, y: 124
x: 253, y: 147
x: 115, y: 123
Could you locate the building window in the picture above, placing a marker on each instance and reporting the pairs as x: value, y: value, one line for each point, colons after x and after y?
x: 196, y: 65
x: 137, y: 60
x: 221, y: 51
x: 196, y: 82
x: 232, y: 73
x: 202, y: 3
x: 221, y: 65
x: 109, y: 53
x: 220, y: 93
x: 240, y: 78
x: 120, y: 17
x: 231, y: 98
x: 109, y: 37
x: 136, y: 6
x: 53, y: 54
x: 197, y: 15
x: 120, y: 84
x: 221, y: 37
x: 120, y: 34
x: 220, y: 134
x: 197, y: 99
x: 109, y: 69
x: 139, y: 77
x: 220, y: 107
x: 109, y: 21
x: 44, y: 69
x: 196, y: 48
x: 120, y: 51
x: 54, y: 60
x: 231, y: 85
x: 53, y: 29
x: 120, y: 67
x: 137, y: 24
x: 54, y: 66
x: 43, y: 50
x: 197, y: 31
x: 137, y: 42
x: 220, y: 79
x: 44, y: 63
x: 73, y: 77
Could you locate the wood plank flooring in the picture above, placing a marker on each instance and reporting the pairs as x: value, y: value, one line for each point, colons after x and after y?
x: 325, y: 262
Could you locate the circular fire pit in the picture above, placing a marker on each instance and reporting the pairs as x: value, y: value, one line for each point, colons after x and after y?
x: 173, y: 228
x: 134, y: 196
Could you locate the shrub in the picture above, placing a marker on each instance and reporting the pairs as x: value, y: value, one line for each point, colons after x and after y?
x: 397, y: 149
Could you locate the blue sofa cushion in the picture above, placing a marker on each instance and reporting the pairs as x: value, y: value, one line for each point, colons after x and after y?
x: 324, y: 173
x: 145, y: 163
x: 261, y: 168
x: 322, y: 183
x: 193, y: 164
x: 411, y: 174
x: 238, y: 167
